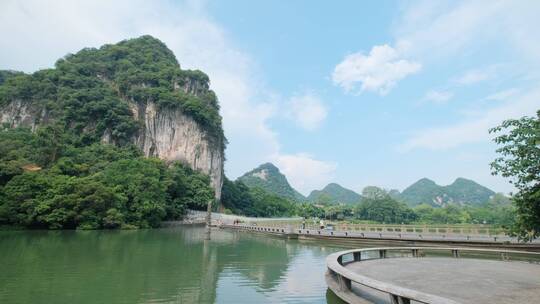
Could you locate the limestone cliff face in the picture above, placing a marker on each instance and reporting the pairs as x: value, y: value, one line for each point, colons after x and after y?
x: 133, y: 91
x: 20, y: 113
x: 168, y: 134
x: 171, y: 135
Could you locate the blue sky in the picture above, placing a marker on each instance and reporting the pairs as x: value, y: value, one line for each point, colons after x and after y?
x: 355, y: 92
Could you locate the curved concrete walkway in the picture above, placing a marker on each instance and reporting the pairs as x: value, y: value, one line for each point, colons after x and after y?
x: 460, y: 279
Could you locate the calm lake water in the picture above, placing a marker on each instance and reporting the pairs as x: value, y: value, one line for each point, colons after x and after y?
x: 170, y: 265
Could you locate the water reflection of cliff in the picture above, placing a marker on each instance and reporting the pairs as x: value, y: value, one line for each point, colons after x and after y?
x: 167, y: 265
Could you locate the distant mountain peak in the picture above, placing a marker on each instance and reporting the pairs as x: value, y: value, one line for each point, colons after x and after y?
x: 268, y: 177
x: 334, y: 186
x: 462, y: 191
x: 264, y: 170
x: 462, y: 180
x: 334, y: 193
x: 425, y: 180
x: 269, y: 166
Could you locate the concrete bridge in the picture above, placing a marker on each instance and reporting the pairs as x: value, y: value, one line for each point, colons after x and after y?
x: 392, y: 237
x: 403, y: 275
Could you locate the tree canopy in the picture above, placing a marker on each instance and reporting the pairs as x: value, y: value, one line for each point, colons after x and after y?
x: 47, y: 183
x: 90, y: 93
x: 519, y: 160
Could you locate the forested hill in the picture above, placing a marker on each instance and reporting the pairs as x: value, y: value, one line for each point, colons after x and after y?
x: 334, y: 193
x: 269, y: 178
x: 462, y: 191
x: 95, y: 142
x: 91, y: 91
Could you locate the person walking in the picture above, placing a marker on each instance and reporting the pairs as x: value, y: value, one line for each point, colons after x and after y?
x: 322, y: 224
x: 304, y: 223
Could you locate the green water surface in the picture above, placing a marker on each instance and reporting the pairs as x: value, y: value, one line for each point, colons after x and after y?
x: 169, y: 265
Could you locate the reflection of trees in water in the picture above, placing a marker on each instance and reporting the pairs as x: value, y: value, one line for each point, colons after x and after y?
x: 138, y: 266
x: 105, y: 267
x: 265, y: 259
x: 195, y: 235
x: 261, y: 259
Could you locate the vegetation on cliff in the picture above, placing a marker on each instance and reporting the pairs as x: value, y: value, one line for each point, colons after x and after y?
x: 241, y: 199
x: 90, y: 92
x: 61, y: 175
x: 334, y: 193
x: 47, y: 182
x: 269, y: 178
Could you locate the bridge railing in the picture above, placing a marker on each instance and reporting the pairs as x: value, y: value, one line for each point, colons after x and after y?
x: 343, y: 277
x: 418, y: 229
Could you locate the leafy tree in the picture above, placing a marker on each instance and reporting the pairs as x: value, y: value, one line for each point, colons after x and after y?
x: 62, y: 175
x: 89, y: 94
x: 270, y: 205
x: 377, y: 205
x: 235, y: 196
x: 308, y: 210
x: 373, y: 192
x: 90, y: 187
x: 141, y: 181
x: 187, y: 189
x: 519, y: 160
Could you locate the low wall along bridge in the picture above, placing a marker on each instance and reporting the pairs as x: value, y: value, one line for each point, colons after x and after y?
x: 436, y: 275
x: 411, y: 234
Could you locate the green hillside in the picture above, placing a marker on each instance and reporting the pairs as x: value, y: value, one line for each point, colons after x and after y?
x: 268, y: 178
x: 55, y: 170
x: 334, y: 193
x: 462, y: 191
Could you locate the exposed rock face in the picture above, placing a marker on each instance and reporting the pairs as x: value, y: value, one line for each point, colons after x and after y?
x: 95, y: 90
x: 173, y: 136
x: 168, y: 134
x: 20, y: 113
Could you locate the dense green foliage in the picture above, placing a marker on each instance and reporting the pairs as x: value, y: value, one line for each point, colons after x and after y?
x: 487, y: 213
x: 374, y: 205
x: 268, y: 178
x: 332, y: 194
x: 61, y: 176
x: 90, y: 93
x: 4, y: 75
x: 47, y: 182
x: 519, y: 160
x: 240, y: 199
x: 461, y: 191
x: 377, y: 205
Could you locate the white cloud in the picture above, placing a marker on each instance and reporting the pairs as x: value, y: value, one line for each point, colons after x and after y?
x: 473, y: 130
x: 502, y: 95
x: 307, y: 110
x: 438, y: 29
x: 475, y: 76
x: 304, y: 172
x: 434, y: 30
x: 378, y: 71
x: 472, y: 77
x: 438, y: 97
